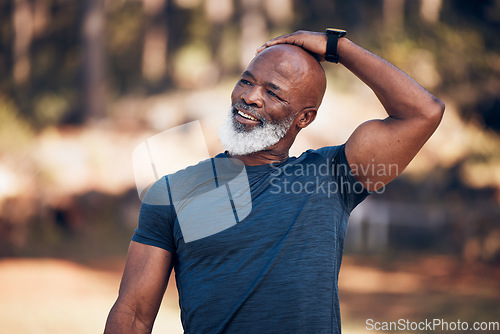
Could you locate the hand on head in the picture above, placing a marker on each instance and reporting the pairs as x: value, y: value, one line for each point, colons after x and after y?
x: 313, y: 42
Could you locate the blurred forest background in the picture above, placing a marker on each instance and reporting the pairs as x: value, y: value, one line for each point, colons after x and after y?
x: 84, y: 82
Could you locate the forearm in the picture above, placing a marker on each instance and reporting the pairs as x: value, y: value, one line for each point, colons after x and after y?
x: 401, y: 96
x: 144, y: 281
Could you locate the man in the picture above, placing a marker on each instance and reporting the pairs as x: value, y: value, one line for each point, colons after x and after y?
x: 276, y: 270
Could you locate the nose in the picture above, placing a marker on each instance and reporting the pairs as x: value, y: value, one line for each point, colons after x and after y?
x: 253, y: 96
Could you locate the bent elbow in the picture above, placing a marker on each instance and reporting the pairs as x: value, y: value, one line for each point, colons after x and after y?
x: 435, y: 111
x: 440, y: 106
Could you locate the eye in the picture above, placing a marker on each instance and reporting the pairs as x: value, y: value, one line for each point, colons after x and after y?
x: 270, y: 92
x: 245, y: 82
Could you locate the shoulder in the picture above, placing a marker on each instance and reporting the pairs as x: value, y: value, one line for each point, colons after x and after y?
x: 327, y: 152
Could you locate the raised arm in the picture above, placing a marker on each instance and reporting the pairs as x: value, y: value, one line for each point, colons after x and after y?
x: 379, y: 150
x: 143, y: 285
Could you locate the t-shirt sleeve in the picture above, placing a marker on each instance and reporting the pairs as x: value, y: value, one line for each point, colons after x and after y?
x: 351, y: 191
x: 156, y: 219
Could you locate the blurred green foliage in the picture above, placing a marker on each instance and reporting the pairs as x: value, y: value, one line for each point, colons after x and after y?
x: 54, y: 54
x: 456, y: 55
x: 15, y: 132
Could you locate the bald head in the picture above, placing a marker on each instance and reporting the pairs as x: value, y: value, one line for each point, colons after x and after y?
x: 303, y: 71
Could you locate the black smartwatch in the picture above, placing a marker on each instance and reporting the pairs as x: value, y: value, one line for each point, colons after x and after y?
x: 333, y: 36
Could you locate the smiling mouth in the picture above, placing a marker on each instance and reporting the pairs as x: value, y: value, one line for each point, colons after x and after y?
x: 247, y: 116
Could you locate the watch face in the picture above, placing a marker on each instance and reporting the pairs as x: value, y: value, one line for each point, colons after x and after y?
x: 338, y: 32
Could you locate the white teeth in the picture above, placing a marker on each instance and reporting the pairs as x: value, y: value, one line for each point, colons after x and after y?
x: 242, y: 114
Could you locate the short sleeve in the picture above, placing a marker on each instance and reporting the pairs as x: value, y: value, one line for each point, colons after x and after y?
x: 351, y: 191
x: 156, y: 220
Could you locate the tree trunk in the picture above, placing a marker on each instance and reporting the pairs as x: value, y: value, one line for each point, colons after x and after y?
x: 394, y: 11
x: 93, y: 65
x: 430, y: 10
x: 154, y: 52
x: 253, y: 30
x: 23, y: 34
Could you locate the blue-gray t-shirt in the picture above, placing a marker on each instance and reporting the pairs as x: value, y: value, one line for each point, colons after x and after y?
x: 276, y: 270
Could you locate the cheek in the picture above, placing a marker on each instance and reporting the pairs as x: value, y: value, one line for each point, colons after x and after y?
x: 278, y: 114
x: 235, y: 93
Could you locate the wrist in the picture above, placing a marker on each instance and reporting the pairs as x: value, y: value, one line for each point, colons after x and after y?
x: 334, y: 36
x: 341, y: 47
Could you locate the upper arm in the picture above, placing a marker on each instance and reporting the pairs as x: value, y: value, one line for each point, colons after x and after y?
x: 379, y: 150
x: 143, y: 285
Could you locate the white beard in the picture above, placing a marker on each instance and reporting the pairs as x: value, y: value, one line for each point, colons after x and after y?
x: 237, y: 141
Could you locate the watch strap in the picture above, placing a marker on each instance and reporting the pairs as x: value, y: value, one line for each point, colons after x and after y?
x: 333, y: 36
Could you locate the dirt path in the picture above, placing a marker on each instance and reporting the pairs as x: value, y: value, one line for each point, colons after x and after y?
x: 55, y: 296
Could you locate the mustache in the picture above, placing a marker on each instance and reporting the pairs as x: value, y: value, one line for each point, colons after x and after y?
x: 248, y: 109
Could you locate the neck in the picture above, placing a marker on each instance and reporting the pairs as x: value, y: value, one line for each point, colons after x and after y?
x: 265, y: 157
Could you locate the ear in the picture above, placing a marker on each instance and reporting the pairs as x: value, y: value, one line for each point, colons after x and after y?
x: 306, y: 117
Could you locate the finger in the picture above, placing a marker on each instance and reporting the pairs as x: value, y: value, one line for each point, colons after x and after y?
x: 277, y: 41
x: 267, y: 44
x: 283, y: 39
x: 261, y: 48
